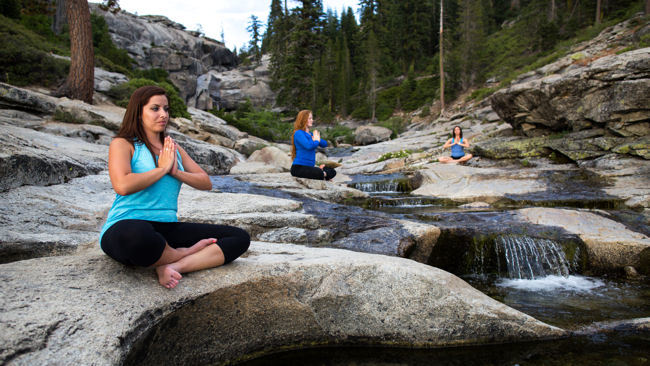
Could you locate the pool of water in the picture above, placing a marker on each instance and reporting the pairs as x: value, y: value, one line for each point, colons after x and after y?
x: 622, y: 348
x: 570, y: 302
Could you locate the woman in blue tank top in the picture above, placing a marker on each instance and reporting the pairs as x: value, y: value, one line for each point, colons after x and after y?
x: 458, y: 146
x: 147, y: 170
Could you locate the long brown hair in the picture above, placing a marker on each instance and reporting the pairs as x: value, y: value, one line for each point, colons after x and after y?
x: 299, y: 124
x: 131, y: 128
x: 453, y: 132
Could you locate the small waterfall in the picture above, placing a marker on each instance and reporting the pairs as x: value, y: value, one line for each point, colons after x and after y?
x: 531, y: 258
x: 379, y: 187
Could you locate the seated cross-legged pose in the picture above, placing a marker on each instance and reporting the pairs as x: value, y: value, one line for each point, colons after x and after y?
x: 457, y: 145
x: 147, y: 169
x: 303, y: 149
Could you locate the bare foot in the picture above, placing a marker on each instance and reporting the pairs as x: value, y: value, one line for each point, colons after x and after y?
x: 168, y: 276
x: 196, y: 247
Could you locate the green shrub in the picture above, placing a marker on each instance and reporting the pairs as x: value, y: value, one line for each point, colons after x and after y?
x: 264, y: 124
x: 394, y: 155
x: 25, y: 58
x: 338, y: 132
x: 482, y: 93
x: 122, y: 92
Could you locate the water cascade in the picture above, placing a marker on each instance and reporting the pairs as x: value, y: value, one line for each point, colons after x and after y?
x: 532, y: 258
x: 388, y: 186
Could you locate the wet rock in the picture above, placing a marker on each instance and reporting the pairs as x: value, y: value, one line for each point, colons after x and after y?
x: 630, y: 272
x: 12, y: 97
x: 365, y: 135
x: 37, y: 158
x: 330, y: 295
x: 610, y: 245
x: 629, y: 178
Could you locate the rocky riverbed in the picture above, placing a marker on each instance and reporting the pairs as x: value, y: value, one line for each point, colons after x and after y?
x: 324, y: 256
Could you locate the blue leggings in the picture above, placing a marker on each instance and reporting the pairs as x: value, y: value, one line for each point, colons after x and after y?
x: 141, y: 242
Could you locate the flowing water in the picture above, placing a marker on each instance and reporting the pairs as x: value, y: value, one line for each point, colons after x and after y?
x: 537, y: 271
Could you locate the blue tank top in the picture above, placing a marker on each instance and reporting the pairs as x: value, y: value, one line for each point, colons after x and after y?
x: 457, y: 151
x: 158, y: 202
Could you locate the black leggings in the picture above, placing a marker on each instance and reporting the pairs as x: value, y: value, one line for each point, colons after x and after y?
x: 312, y: 172
x: 141, y: 242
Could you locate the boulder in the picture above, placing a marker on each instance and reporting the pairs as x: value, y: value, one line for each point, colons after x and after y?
x: 156, y: 41
x: 229, y: 88
x: 254, y: 167
x: 249, y: 145
x: 604, y: 92
x: 271, y: 155
x: 53, y: 220
x: 37, y: 158
x: 105, y: 80
x: 213, y: 159
x: 88, y: 133
x: 239, y: 310
x: 610, y: 245
x: 210, y: 123
x: 76, y: 111
x: 365, y: 135
x: 464, y: 183
x: 12, y: 97
x: 20, y: 118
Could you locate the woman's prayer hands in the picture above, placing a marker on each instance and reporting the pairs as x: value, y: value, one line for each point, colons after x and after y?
x: 167, y: 157
x: 316, y: 136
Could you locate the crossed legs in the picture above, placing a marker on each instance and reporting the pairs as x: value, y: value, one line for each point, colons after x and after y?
x: 173, y: 248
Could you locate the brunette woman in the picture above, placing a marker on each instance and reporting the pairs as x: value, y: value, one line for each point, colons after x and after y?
x: 458, y: 146
x: 147, y: 169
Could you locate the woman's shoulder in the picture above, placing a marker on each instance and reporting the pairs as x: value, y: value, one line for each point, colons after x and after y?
x: 121, y: 143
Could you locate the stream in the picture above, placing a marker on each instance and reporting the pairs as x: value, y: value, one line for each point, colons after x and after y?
x: 538, y: 271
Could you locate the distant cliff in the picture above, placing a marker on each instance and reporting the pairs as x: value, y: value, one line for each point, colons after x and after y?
x: 196, y: 65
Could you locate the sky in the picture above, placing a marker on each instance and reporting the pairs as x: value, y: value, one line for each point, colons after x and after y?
x: 232, y: 16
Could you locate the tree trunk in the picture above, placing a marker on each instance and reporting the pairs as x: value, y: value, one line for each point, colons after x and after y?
x: 598, y: 2
x: 59, y: 17
x: 514, y: 4
x: 553, y: 11
x: 647, y: 7
x: 80, y: 81
x: 442, y: 68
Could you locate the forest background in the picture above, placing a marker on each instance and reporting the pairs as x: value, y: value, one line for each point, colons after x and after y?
x: 376, y: 65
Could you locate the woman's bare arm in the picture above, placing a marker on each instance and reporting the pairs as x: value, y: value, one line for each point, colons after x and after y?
x: 126, y: 182
x: 193, y: 175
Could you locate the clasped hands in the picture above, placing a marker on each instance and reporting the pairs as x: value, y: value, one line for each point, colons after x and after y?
x: 167, y: 158
x: 316, y: 135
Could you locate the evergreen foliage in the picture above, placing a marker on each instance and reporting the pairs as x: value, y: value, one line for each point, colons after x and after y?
x: 265, y: 124
x: 388, y: 60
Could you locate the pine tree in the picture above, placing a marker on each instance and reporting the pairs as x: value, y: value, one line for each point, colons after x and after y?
x: 303, y: 49
x: 254, y: 29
